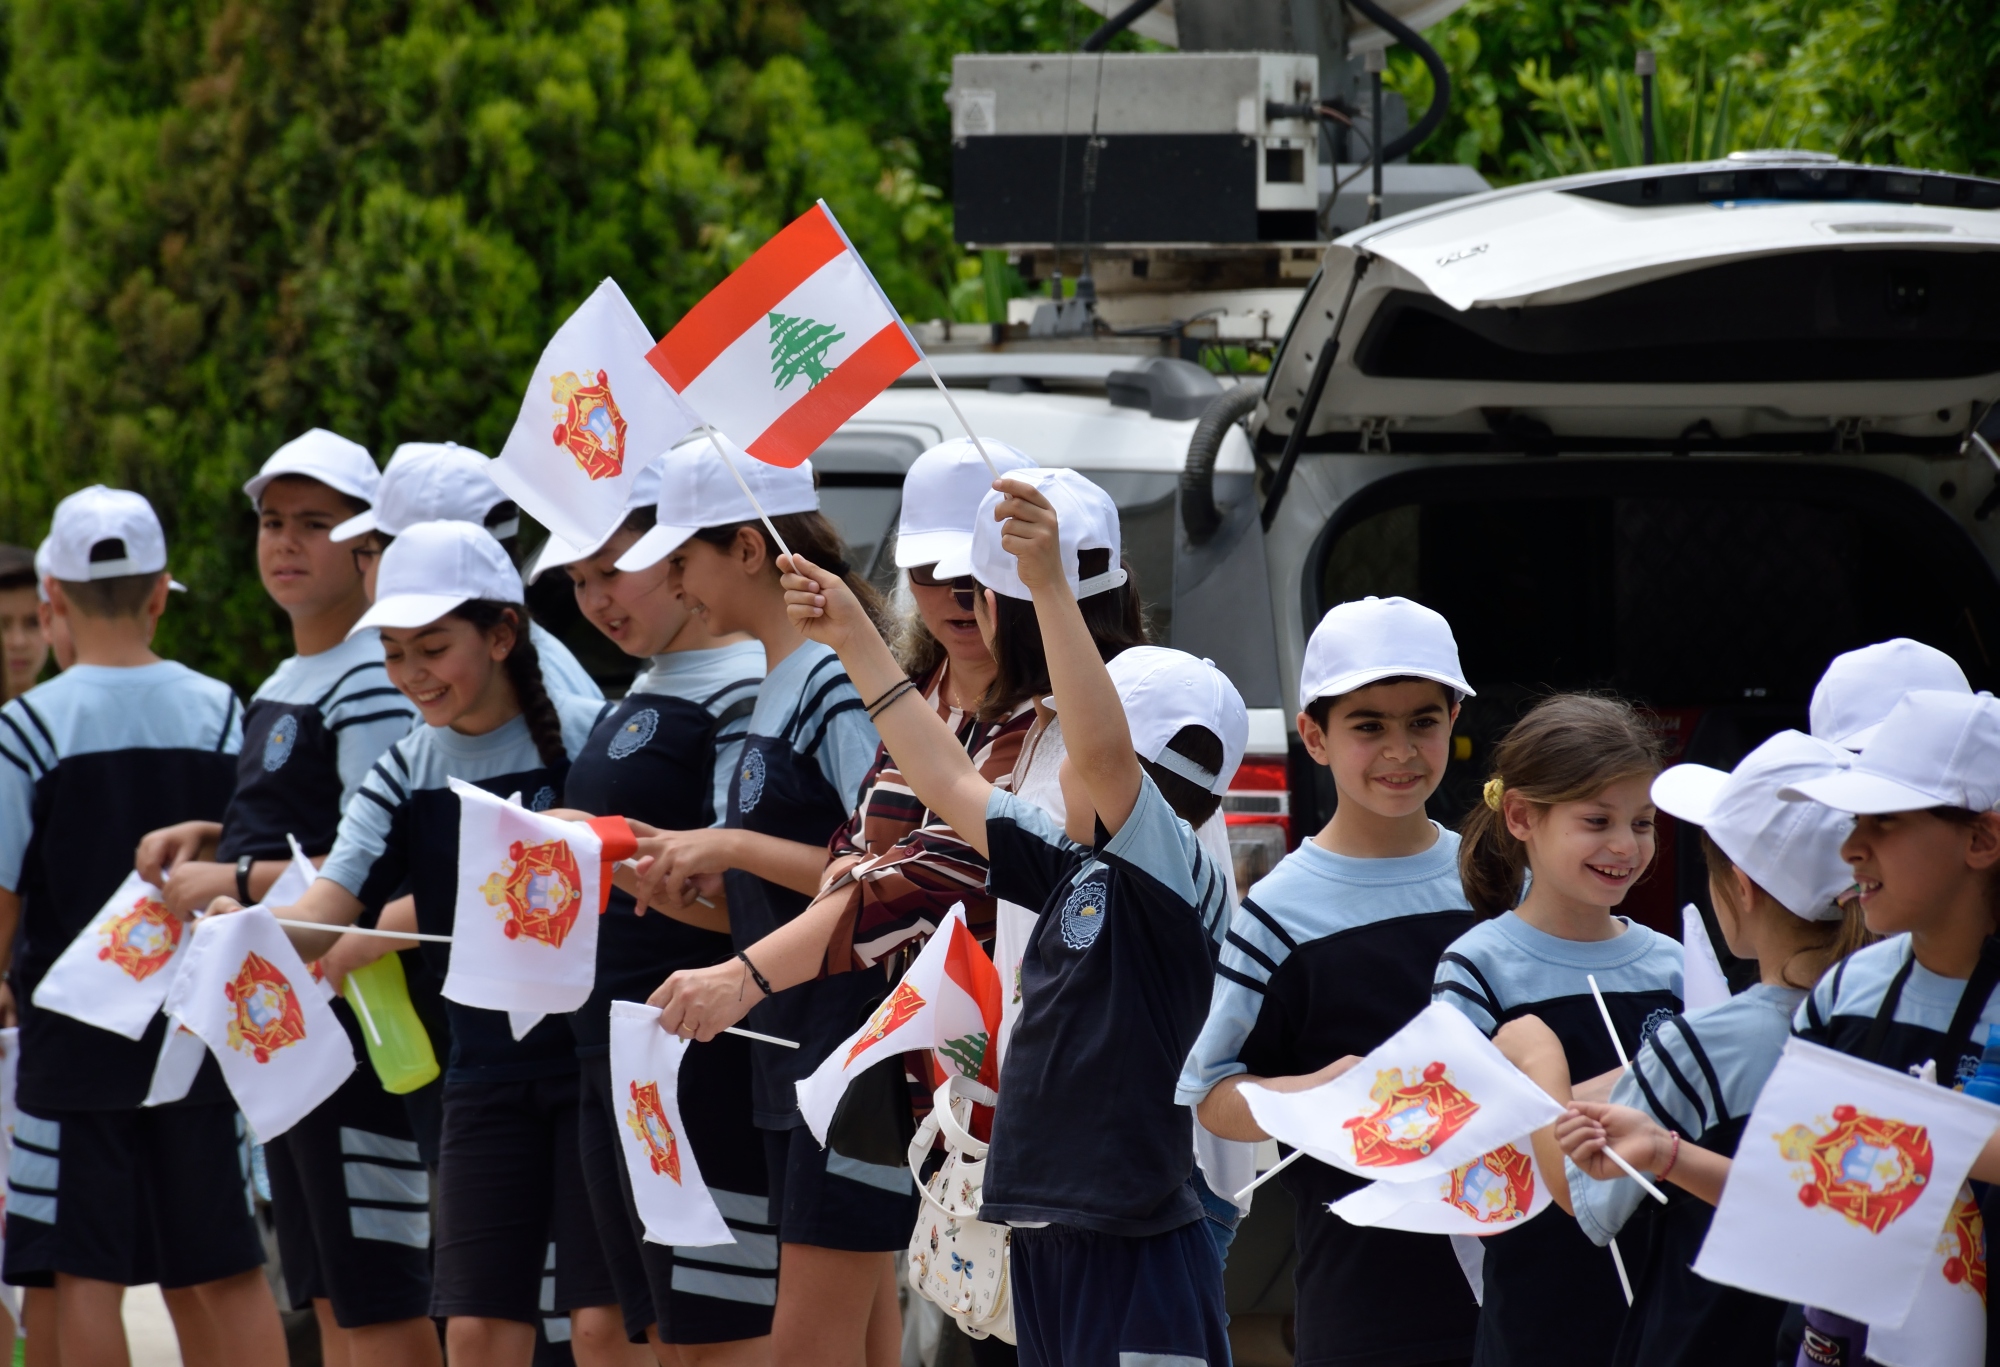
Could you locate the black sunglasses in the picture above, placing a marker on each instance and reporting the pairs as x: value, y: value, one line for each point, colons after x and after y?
x: 963, y: 589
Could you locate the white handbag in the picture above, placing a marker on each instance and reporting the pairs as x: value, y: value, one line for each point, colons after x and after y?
x: 957, y: 1260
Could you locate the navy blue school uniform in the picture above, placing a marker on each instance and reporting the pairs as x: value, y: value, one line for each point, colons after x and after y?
x: 1699, y: 1075
x: 1329, y: 956
x: 100, y: 1187
x: 508, y: 1169
x: 1547, y: 1273
x: 805, y: 757
x: 1091, y: 1154
x: 664, y: 756
x: 349, y: 1191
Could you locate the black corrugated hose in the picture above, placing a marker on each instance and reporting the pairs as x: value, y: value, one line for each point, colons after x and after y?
x: 1198, y: 511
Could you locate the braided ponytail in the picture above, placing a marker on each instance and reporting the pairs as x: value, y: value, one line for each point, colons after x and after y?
x: 524, y: 671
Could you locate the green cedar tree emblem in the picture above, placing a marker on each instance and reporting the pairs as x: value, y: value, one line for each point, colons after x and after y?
x: 799, y: 347
x: 967, y: 1052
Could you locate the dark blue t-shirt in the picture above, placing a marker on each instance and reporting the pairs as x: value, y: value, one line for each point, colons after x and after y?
x: 1114, y: 988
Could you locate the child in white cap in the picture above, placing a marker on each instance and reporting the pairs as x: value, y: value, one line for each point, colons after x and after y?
x: 1775, y: 873
x: 1333, y: 952
x: 1863, y: 686
x: 121, y: 743
x: 1091, y: 1156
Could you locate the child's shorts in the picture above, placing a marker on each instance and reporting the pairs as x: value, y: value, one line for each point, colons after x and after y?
x: 132, y: 1197
x: 1084, y: 1299
x: 829, y: 1200
x: 695, y: 1295
x: 510, y: 1185
x: 351, y: 1199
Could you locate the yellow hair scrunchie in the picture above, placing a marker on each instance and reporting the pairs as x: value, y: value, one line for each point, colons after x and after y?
x: 1494, y: 788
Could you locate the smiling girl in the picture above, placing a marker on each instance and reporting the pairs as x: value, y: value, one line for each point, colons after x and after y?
x: 1569, y: 809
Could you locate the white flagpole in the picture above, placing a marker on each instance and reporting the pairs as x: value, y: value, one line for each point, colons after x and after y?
x: 716, y: 440
x: 1624, y: 1059
x: 1625, y: 1062
x: 1619, y: 1262
x: 1267, y: 1174
x: 978, y: 445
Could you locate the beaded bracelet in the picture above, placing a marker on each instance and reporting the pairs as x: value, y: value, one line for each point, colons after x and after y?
x: 1673, y: 1155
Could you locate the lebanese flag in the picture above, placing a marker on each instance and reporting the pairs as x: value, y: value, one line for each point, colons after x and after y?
x: 530, y: 889
x: 244, y: 990
x: 674, y: 1203
x: 116, y: 972
x: 790, y: 346
x: 594, y: 416
x: 1845, y: 1183
x: 1493, y: 1193
x: 1432, y: 1097
x: 947, y: 1005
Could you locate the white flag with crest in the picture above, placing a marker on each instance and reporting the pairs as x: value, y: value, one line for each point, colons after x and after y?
x: 1493, y: 1193
x: 1703, y: 981
x: 1845, y: 1178
x: 247, y: 994
x: 674, y: 1203
x: 530, y: 888
x: 116, y: 972
x: 1946, y: 1326
x: 595, y: 415
x: 1431, y: 1097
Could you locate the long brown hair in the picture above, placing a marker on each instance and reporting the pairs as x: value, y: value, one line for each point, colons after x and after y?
x: 1567, y: 748
x: 524, y: 670
x: 1832, y: 941
x: 812, y: 537
x: 1022, y: 667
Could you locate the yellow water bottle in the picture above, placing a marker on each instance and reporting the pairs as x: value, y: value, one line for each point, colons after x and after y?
x: 398, y: 1044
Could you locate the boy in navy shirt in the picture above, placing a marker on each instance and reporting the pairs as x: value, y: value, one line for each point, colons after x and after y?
x: 1091, y: 1156
x: 1333, y: 951
x: 102, y: 1193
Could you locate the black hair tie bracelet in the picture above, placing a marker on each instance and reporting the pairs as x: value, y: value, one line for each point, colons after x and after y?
x: 763, y: 983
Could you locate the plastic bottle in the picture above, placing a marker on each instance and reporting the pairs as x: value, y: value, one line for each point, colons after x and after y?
x: 398, y: 1044
x: 1985, y: 1084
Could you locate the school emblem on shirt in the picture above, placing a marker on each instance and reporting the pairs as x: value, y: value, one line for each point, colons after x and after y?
x: 898, y: 1009
x: 545, y: 798
x: 1965, y: 1247
x: 539, y: 892
x: 141, y: 940
x: 1496, y: 1188
x: 589, y: 426
x: 1866, y: 1168
x: 1411, y: 1118
x: 278, y: 743
x: 268, y: 1014
x: 1083, y: 915
x: 647, y: 1119
x: 750, y: 780
x: 633, y: 735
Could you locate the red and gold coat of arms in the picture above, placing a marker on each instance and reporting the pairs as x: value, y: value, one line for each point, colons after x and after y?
x: 540, y: 892
x: 589, y: 427
x: 647, y: 1119
x: 1496, y: 1188
x: 1410, y: 1119
x: 1965, y: 1247
x: 142, y: 939
x: 268, y: 1015
x: 1864, y: 1167
x: 896, y: 1011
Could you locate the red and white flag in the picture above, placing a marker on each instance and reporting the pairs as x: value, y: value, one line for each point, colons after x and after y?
x: 1946, y: 1326
x: 1432, y: 1097
x: 674, y: 1203
x: 790, y: 346
x: 594, y: 416
x: 948, y: 1004
x: 247, y: 994
x: 1489, y: 1195
x: 116, y: 972
x: 1846, y: 1177
x: 530, y: 889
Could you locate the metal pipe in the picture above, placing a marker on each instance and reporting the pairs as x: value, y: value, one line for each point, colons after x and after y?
x: 1643, y: 64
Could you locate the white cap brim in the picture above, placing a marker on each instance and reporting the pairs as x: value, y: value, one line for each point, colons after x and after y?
x: 556, y: 552
x: 955, y: 563
x: 1864, y: 794
x: 1689, y: 791
x: 176, y: 586
x: 935, y: 548
x: 1361, y: 678
x: 358, y: 525
x: 656, y: 545
x: 409, y: 610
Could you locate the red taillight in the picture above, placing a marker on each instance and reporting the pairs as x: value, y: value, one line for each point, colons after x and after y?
x: 1258, y: 810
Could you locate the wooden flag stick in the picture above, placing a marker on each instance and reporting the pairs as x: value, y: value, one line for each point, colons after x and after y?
x: 728, y: 460
x: 977, y: 444
x: 1267, y: 1174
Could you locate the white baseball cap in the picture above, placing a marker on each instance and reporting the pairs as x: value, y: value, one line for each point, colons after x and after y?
x: 1937, y: 748
x: 42, y: 570
x: 1859, y: 688
x: 556, y: 552
x: 326, y: 456
x: 1372, y: 639
x: 117, y: 522
x: 428, y: 481
x: 941, y: 497
x: 1164, y: 690
x: 1086, y: 520
x: 433, y: 567
x: 1790, y: 849
x: 698, y: 490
